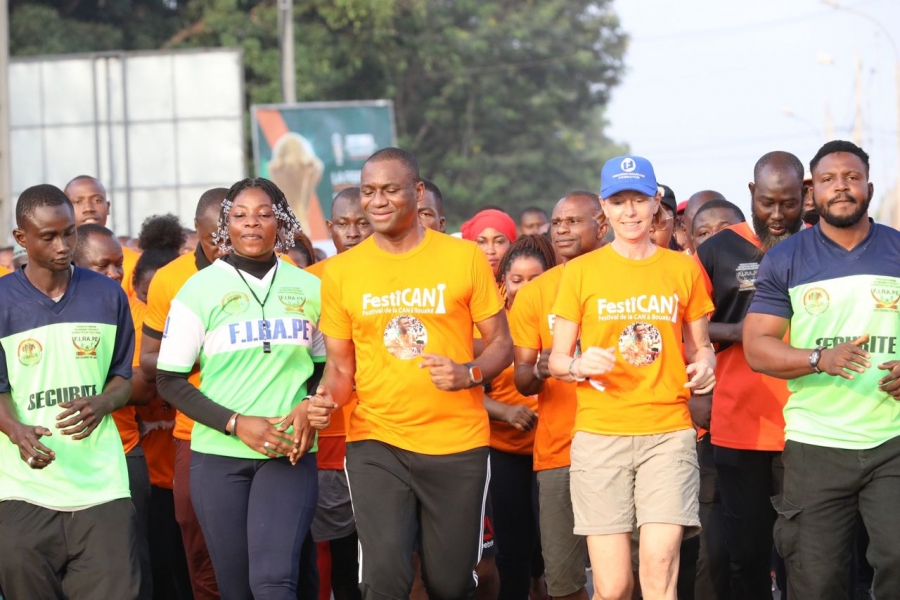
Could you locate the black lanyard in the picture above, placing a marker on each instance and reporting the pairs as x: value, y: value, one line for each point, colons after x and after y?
x: 267, y: 347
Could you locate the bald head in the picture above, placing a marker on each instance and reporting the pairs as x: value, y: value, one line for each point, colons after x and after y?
x: 346, y: 198
x: 348, y: 225
x: 780, y: 162
x: 577, y: 225
x: 694, y: 204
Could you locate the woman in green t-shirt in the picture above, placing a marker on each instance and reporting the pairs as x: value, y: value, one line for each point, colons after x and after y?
x: 252, y: 322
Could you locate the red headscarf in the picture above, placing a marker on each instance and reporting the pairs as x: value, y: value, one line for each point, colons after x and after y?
x: 496, y: 219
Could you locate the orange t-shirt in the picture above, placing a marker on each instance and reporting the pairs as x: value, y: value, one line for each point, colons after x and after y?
x: 394, y: 307
x: 505, y: 437
x: 4, y: 271
x: 636, y: 307
x: 333, y: 439
x: 128, y: 264
x: 748, y: 407
x: 126, y: 417
x: 531, y: 325
x: 163, y: 288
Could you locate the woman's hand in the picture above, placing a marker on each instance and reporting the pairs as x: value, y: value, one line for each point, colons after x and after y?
x: 702, y: 377
x: 263, y: 435
x: 303, y: 435
x: 521, y: 417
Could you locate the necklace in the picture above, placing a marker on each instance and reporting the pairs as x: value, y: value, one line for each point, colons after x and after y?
x: 267, y: 347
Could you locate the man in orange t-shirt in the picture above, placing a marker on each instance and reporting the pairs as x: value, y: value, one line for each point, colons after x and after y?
x: 333, y: 523
x: 88, y: 197
x: 417, y: 449
x: 577, y: 226
x: 163, y: 288
x: 747, y: 427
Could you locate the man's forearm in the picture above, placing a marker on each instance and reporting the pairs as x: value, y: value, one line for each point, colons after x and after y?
x: 497, y: 355
x: 117, y: 391
x: 7, y: 414
x: 339, y: 383
x: 773, y: 357
x: 526, y: 382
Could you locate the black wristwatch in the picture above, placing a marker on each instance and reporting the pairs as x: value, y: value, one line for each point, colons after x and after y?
x: 815, y: 357
x: 475, y: 377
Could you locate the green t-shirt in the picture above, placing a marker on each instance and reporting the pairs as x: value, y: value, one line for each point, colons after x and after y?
x: 52, y: 352
x: 215, y: 317
x: 832, y: 296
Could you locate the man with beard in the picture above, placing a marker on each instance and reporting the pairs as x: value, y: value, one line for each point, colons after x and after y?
x: 810, y: 216
x: 837, y: 287
x: 747, y: 429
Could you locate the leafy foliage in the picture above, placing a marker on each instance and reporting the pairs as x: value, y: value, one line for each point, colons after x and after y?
x: 501, y: 100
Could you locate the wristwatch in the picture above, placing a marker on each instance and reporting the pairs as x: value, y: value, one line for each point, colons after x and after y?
x: 814, y: 359
x: 475, y: 377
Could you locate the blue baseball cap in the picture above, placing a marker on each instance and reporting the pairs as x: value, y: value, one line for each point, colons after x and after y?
x: 632, y: 173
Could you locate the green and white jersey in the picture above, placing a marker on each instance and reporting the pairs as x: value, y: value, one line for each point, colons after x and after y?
x: 215, y: 317
x: 52, y: 352
x: 833, y: 296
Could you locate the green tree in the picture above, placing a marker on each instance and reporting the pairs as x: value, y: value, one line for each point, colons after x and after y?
x: 501, y: 100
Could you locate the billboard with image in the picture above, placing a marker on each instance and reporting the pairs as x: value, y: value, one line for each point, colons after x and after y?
x: 313, y: 150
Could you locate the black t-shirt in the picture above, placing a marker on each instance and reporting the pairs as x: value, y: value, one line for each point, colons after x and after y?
x: 731, y: 261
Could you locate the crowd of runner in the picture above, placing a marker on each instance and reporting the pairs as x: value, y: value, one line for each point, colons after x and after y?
x: 661, y: 396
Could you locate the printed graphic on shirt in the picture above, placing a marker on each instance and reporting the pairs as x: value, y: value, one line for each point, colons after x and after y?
x: 30, y: 352
x: 235, y: 303
x: 640, y: 344
x: 405, y: 337
x: 886, y: 293
x: 646, y: 307
x: 746, y: 275
x: 429, y: 301
x: 293, y: 299
x: 85, y: 338
x: 815, y: 301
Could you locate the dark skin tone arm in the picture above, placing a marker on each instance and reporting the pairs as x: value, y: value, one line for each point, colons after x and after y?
x: 519, y: 416
x: 524, y: 375
x: 149, y: 356
x: 334, y: 389
x: 82, y: 415
x: 726, y: 332
x: 767, y: 353
x: 142, y: 391
x: 26, y: 437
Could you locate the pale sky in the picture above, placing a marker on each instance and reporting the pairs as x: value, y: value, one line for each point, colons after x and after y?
x: 712, y: 85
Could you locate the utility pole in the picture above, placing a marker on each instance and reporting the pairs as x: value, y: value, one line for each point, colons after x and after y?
x: 895, y: 198
x: 286, y: 44
x: 858, y: 122
x: 5, y: 170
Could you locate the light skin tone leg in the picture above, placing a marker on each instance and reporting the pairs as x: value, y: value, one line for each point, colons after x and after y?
x: 614, y: 581
x: 660, y: 544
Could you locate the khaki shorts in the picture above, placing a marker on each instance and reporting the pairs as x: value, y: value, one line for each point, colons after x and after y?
x: 620, y: 480
x: 565, y: 554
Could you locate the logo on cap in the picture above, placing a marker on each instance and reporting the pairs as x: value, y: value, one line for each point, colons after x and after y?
x: 628, y: 165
